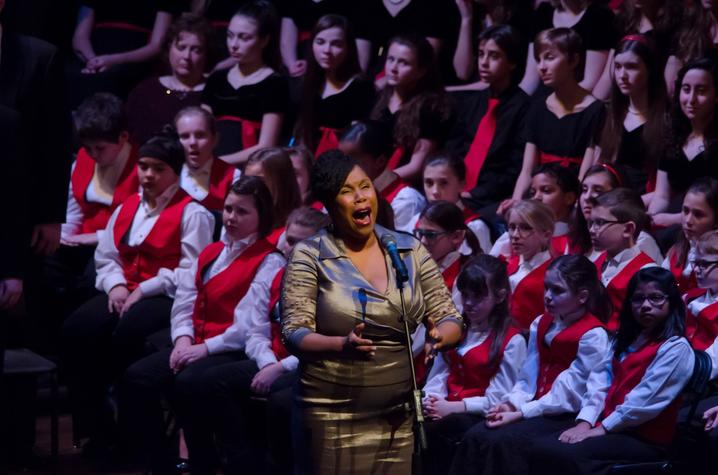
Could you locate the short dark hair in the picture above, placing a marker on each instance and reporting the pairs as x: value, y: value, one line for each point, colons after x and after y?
x: 101, y: 117
x: 626, y: 205
x: 256, y: 188
x: 580, y: 273
x: 308, y: 217
x: 328, y: 175
x: 567, y: 41
x: 509, y: 40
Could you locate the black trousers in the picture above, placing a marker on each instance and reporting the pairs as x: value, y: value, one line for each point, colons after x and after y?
x: 279, y: 425
x: 443, y: 437
x: 596, y: 456
x: 143, y: 387
x: 96, y: 346
x: 504, y: 451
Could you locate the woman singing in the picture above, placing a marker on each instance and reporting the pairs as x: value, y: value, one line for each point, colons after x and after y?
x: 341, y: 317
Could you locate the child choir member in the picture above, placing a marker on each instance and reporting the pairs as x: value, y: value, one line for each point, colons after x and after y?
x: 615, y: 218
x: 370, y: 144
x: 250, y: 99
x: 465, y: 382
x: 702, y: 306
x: 566, y: 344
x: 150, y: 238
x: 637, y: 406
x: 220, y: 300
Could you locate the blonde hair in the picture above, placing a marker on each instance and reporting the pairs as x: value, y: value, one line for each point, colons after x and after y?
x: 536, y: 214
x: 708, y: 243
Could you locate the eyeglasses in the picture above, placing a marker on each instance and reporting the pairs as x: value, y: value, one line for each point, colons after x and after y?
x: 599, y: 223
x: 656, y: 300
x: 428, y: 234
x: 522, y: 229
x: 703, y: 264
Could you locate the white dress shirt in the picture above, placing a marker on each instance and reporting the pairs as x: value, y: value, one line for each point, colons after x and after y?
x: 251, y: 311
x: 406, y: 204
x: 696, y: 306
x: 688, y: 268
x: 665, y: 378
x: 197, y: 182
x: 570, y: 385
x: 614, y: 265
x: 196, y: 233
x: 501, y: 383
x: 502, y: 246
x: 527, y: 266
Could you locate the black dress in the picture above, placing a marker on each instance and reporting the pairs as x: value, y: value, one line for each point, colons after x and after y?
x: 245, y: 105
x: 682, y: 172
x: 565, y: 139
x: 632, y: 158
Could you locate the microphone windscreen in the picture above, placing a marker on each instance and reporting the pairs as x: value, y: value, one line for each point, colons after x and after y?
x: 387, y: 240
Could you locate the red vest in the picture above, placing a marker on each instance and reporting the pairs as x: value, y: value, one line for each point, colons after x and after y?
x: 526, y: 301
x: 471, y: 374
x: 470, y: 215
x: 161, y: 248
x: 627, y: 374
x: 702, y: 329
x: 95, y: 215
x: 280, y: 351
x: 557, y: 357
x: 250, y: 129
x: 220, y: 179
x: 617, y: 287
x: 685, y: 283
x: 452, y: 272
x: 274, y: 236
x: 390, y: 192
x: 218, y: 297
x: 328, y: 141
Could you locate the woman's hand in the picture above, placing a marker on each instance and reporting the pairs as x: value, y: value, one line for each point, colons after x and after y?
x: 576, y: 433
x: 133, y: 298
x: 181, y: 346
x: 506, y: 204
x: 355, y: 345
x: 99, y: 64
x: 597, y: 431
x: 263, y: 380
x: 437, y: 408
x: 297, y: 68
x: 503, y: 418
x: 434, y: 340
x: 711, y: 418
x: 466, y: 8
x: 116, y: 298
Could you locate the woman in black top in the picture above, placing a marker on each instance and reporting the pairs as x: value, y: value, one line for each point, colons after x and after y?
x: 250, y: 100
x: 632, y: 134
x: 114, y: 41
x: 335, y: 95
x: 594, y: 25
x: 413, y: 105
x: 692, y: 150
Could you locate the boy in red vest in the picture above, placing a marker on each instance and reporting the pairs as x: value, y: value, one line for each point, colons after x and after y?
x: 149, y: 239
x: 702, y: 318
x: 614, y: 225
x: 371, y: 144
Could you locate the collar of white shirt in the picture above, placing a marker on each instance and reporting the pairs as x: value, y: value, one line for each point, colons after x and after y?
x: 161, y: 201
x: 624, y: 256
x: 538, y: 259
x: 240, y: 244
x: 560, y: 228
x: 449, y: 259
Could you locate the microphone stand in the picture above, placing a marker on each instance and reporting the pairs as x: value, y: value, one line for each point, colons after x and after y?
x: 420, y: 443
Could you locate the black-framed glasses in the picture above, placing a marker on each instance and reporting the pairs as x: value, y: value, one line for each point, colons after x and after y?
x: 703, y: 264
x: 655, y: 299
x: 600, y: 223
x: 428, y: 234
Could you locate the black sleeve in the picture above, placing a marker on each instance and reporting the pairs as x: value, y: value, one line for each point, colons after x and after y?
x: 276, y: 95
x: 436, y: 118
x: 366, y: 97
x: 460, y: 137
x: 601, y: 33
x: 210, y: 88
x: 52, y: 151
x: 543, y: 20
x: 531, y: 133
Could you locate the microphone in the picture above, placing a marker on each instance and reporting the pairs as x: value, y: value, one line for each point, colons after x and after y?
x: 389, y: 243
x: 362, y: 301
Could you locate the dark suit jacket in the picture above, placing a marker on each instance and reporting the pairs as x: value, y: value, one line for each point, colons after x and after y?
x: 32, y: 83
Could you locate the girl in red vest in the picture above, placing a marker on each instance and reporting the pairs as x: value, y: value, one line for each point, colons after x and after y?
x: 150, y: 239
x: 565, y: 345
x: 530, y: 226
x: 600, y: 179
x: 444, y: 177
x: 335, y: 92
x: 560, y: 128
x: 249, y: 100
x: 219, y: 301
x: 465, y: 382
x: 274, y: 166
x: 699, y: 215
x: 633, y: 414
x: 615, y: 219
x: 702, y: 319
x: 204, y: 177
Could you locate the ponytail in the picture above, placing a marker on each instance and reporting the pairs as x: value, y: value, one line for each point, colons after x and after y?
x: 580, y: 273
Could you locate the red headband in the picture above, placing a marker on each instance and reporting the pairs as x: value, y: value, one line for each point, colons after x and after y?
x: 610, y: 169
x: 640, y: 38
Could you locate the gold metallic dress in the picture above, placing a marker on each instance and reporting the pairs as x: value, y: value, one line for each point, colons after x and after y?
x: 352, y: 413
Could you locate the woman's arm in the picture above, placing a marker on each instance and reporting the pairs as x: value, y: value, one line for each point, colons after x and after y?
x: 662, y: 194
x: 364, y: 53
x: 81, y: 42
x: 530, y: 81
x: 288, y: 41
x: 413, y: 169
x: 602, y: 89
x: 670, y: 73
x: 586, y: 163
x: 595, y: 64
x: 524, y: 179
x: 268, y: 137
x: 464, y: 60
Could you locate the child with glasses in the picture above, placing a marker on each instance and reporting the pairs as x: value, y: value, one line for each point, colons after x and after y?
x: 702, y: 320
x: 698, y: 216
x: 632, y: 417
x: 614, y: 223
x: 530, y: 224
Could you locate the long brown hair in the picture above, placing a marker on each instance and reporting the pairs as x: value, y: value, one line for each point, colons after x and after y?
x: 428, y: 93
x: 654, y: 130
x: 708, y: 187
x: 694, y: 37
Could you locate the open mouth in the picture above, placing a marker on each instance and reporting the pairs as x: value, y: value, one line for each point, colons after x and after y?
x: 362, y: 217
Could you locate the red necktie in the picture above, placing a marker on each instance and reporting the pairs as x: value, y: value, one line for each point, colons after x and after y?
x: 480, y: 146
